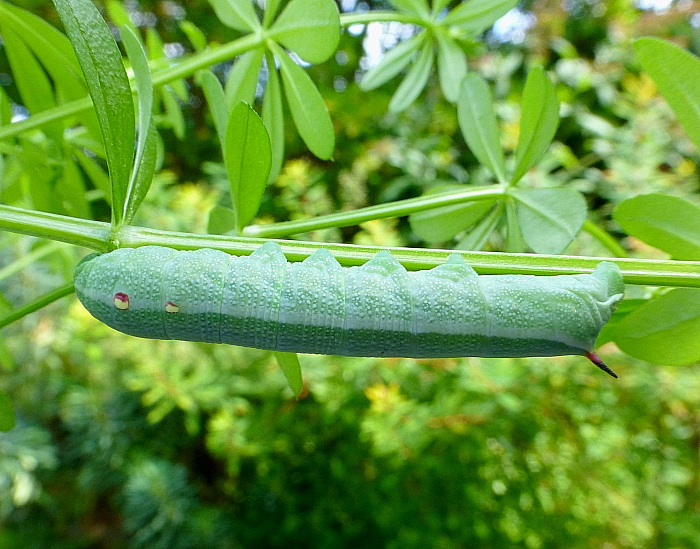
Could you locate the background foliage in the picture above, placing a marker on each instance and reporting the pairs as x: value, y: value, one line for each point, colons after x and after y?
x: 122, y: 442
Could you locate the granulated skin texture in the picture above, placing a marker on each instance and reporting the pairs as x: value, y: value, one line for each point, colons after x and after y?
x: 317, y: 306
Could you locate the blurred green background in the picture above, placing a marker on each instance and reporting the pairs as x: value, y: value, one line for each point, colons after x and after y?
x: 124, y: 442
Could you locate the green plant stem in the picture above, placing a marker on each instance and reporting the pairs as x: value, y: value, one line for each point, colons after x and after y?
x: 91, y: 234
x: 37, y: 304
x: 362, y: 18
x: 398, y: 208
x: 604, y: 238
x: 97, y: 235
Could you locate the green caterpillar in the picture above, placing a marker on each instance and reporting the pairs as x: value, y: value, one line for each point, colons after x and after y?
x: 317, y: 306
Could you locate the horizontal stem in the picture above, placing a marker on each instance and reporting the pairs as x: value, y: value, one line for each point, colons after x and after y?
x: 82, y: 232
x: 364, y: 17
x: 97, y: 235
x: 635, y: 271
x: 398, y: 208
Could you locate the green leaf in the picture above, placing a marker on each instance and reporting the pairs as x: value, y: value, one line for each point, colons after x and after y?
x: 221, y: 220
x: 247, y: 157
x: 392, y: 63
x: 32, y: 82
x: 310, y: 28
x: 476, y: 238
x: 7, y: 413
x: 5, y: 109
x: 452, y: 66
x: 626, y: 307
x: 273, y: 118
x: 441, y: 224
x: 154, y: 45
x: 71, y: 188
x: 214, y: 94
x: 308, y: 109
x: 243, y: 78
x: 108, y: 85
x: 415, y: 80
x: 549, y: 218
x: 95, y: 172
x: 237, y: 14
x: 416, y: 7
x: 439, y: 5
x: 665, y: 330
x: 539, y: 120
x: 514, y: 237
x: 145, y: 159
x: 271, y: 8
x: 477, y: 120
x: 119, y: 15
x: 51, y: 47
x: 677, y: 75
x: 666, y: 222
x: 143, y: 173
x: 289, y: 363
x: 196, y: 37
x: 173, y: 111
x: 477, y: 15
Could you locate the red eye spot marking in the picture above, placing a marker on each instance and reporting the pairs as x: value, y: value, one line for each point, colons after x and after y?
x: 170, y: 307
x: 121, y: 301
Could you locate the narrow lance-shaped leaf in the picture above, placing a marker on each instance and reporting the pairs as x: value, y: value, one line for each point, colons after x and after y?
x: 289, y: 364
x: 666, y: 222
x: 32, y: 83
x: 478, y: 236
x: 415, y: 80
x: 549, y: 218
x: 308, y: 109
x: 119, y: 15
x: 477, y: 120
x: 310, y: 28
x: 271, y: 8
x: 273, y: 117
x: 676, y: 72
x: 71, y: 188
x: 216, y: 100
x: 242, y: 80
x: 452, y: 66
x: 5, y: 109
x: 478, y: 15
x: 539, y: 119
x: 247, y: 158
x: 194, y: 34
x: 108, y: 85
x: 144, y: 161
x: 50, y: 46
x: 514, y: 237
x: 173, y: 111
x: 392, y: 63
